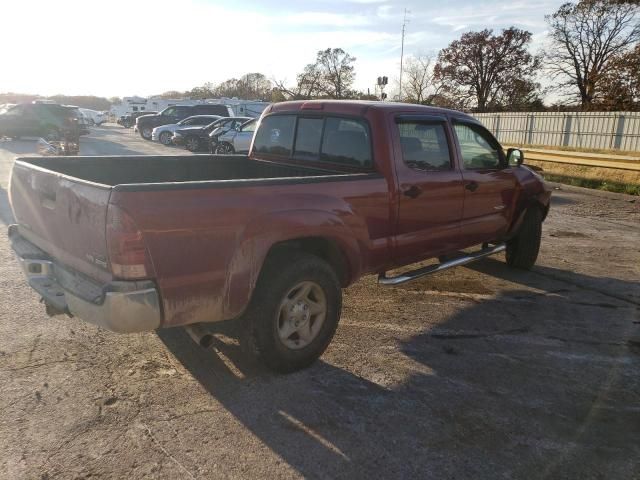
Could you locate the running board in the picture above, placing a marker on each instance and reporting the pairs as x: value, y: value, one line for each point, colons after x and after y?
x: 421, y: 272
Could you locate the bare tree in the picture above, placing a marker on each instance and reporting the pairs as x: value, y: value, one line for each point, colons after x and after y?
x: 330, y: 76
x: 418, y: 83
x: 477, y: 69
x: 585, y: 37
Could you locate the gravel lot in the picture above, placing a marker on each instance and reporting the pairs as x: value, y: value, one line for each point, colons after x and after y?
x: 479, y: 372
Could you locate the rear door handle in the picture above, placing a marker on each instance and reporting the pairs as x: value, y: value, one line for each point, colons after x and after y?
x: 413, y: 191
x: 471, y: 186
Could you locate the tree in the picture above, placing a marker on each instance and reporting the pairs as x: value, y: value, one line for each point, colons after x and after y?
x: 620, y: 86
x: 330, y: 76
x: 585, y: 38
x: 170, y: 94
x: 254, y: 86
x: 308, y: 85
x: 418, y: 79
x: 205, y: 91
x: 478, y: 68
x: 336, y: 67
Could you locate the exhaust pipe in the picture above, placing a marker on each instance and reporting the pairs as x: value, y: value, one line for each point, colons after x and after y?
x: 200, y: 334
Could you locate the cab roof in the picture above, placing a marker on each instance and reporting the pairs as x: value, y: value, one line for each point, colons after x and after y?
x: 360, y: 107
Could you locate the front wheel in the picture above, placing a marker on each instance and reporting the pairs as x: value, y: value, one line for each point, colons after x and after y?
x: 192, y: 144
x: 294, y: 311
x: 145, y: 132
x: 165, y: 138
x: 522, y: 250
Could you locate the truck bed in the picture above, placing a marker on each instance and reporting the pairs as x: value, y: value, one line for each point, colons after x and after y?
x: 126, y: 170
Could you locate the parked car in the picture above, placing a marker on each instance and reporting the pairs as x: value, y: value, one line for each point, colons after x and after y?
x: 330, y: 191
x: 179, y: 112
x: 226, y: 125
x: 237, y: 140
x: 196, y: 139
x: 48, y: 120
x: 164, y: 133
x: 94, y: 117
x: 129, y: 120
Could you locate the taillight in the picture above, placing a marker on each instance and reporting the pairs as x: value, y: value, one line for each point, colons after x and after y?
x: 128, y: 253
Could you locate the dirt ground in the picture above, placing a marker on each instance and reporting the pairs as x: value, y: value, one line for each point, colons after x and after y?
x: 479, y: 372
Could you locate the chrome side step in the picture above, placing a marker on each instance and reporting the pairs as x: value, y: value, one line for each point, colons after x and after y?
x: 421, y: 272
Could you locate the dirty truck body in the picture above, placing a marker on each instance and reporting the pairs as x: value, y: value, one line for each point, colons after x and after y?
x: 136, y: 243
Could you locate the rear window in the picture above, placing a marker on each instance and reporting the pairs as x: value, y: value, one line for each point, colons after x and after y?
x: 342, y: 141
x: 346, y: 142
x: 275, y: 135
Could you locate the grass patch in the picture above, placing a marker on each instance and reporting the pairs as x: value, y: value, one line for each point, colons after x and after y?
x: 594, y: 184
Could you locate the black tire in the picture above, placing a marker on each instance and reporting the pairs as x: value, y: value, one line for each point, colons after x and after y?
x: 522, y: 250
x: 165, y: 138
x: 281, y: 272
x: 145, y: 132
x: 225, y: 148
x: 192, y: 143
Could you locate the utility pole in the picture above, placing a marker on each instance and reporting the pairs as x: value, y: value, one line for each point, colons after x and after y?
x: 404, y: 25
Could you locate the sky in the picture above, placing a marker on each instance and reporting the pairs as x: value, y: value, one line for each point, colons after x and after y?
x: 139, y: 47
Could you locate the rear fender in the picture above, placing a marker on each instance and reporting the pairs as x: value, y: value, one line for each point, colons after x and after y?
x: 262, y: 234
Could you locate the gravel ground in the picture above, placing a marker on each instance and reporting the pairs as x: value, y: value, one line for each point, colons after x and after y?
x: 479, y: 372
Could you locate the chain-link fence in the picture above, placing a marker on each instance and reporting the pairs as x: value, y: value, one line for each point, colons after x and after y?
x: 598, y: 130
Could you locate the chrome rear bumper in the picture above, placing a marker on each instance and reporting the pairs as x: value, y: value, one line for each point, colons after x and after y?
x: 123, y: 307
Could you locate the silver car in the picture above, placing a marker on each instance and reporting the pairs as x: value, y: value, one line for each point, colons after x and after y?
x: 238, y: 140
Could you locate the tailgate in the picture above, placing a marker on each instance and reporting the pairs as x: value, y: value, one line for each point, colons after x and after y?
x: 63, y: 216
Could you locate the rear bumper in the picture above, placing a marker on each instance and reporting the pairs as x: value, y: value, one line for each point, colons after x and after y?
x: 123, y: 307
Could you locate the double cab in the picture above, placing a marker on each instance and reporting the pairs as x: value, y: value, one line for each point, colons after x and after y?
x: 329, y: 191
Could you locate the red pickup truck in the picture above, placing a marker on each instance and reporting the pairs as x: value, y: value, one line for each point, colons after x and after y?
x: 330, y: 191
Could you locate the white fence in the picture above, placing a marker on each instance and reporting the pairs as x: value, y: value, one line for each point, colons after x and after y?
x: 606, y: 130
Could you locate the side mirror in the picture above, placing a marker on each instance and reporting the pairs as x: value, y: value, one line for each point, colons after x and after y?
x: 515, y: 157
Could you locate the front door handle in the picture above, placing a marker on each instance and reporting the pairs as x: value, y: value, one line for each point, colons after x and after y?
x: 472, y: 186
x: 413, y: 191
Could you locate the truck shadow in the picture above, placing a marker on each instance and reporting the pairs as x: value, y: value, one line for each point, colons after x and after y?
x: 540, y: 276
x: 527, y: 384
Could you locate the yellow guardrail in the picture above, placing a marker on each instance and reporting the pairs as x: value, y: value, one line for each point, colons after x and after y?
x: 618, y: 162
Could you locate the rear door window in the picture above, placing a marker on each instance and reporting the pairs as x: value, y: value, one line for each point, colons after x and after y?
x: 424, y: 145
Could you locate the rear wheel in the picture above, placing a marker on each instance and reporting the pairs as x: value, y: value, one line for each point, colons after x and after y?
x: 224, y: 148
x: 165, y: 138
x: 294, y: 311
x: 522, y: 250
